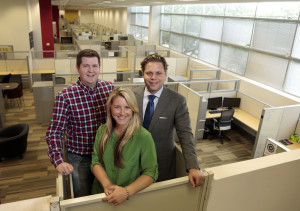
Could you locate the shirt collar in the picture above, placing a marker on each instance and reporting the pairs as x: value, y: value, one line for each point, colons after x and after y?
x: 157, y: 94
x: 85, y: 87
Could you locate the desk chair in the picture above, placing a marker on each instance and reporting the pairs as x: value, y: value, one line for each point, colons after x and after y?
x: 16, y: 94
x: 223, y: 123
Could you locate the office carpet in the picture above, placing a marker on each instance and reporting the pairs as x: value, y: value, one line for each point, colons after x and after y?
x: 34, y: 175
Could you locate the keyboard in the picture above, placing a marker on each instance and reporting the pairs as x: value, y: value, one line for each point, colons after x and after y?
x: 215, y: 111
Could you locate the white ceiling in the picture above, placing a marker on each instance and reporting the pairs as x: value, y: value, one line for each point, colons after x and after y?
x: 98, y: 4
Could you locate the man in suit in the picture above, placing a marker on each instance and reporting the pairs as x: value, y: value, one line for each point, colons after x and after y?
x: 170, y: 113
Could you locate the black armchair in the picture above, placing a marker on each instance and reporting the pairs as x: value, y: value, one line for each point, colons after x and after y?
x: 13, y: 140
x: 223, y: 123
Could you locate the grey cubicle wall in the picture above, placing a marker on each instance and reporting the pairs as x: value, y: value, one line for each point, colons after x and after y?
x: 276, y: 123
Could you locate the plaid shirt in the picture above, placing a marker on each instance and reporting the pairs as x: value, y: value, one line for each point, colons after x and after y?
x: 79, y: 111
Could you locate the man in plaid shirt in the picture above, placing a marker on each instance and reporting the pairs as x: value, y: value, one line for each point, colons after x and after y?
x: 79, y: 110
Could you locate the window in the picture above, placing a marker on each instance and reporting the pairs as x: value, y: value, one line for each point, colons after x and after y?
x: 234, y: 59
x: 191, y: 46
x: 211, y: 28
x: 260, y: 41
x: 139, y: 22
x: 192, y: 25
x: 237, y: 31
x: 292, y: 84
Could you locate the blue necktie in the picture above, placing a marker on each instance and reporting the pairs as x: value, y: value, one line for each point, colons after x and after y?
x: 149, y: 111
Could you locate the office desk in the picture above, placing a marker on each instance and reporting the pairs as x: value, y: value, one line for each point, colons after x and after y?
x: 21, y: 72
x: 43, y: 71
x: 292, y: 146
x: 9, y: 86
x: 241, y: 116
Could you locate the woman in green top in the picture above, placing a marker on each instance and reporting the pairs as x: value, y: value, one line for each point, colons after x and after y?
x: 124, y: 158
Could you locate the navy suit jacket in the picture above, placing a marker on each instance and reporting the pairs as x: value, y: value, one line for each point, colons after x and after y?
x: 171, y: 113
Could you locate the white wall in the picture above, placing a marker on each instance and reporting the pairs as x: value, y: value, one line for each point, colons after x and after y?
x: 115, y: 18
x: 14, y: 25
x: 36, y: 25
x: 86, y: 16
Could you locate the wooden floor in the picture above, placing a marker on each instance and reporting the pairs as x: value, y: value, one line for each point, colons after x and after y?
x: 34, y: 175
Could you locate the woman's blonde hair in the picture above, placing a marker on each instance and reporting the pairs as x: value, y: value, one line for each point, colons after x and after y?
x: 133, y: 125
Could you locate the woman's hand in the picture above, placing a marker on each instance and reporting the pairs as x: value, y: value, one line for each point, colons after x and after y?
x: 116, y: 195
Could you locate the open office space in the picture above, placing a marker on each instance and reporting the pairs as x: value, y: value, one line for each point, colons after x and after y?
x: 244, y: 56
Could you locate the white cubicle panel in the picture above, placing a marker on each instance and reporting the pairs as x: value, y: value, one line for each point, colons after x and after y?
x: 277, y: 123
x: 267, y: 96
x: 43, y: 64
x: 196, y: 110
x: 62, y: 66
x: 251, y: 105
x: 2, y: 66
x: 40, y: 204
x: 131, y: 60
x: 109, y: 65
x: 122, y: 62
x: 73, y: 65
x: 266, y: 183
x: 172, y: 65
x: 175, y: 195
x: 17, y: 65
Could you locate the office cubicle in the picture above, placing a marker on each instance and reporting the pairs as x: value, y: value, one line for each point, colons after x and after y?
x: 277, y: 123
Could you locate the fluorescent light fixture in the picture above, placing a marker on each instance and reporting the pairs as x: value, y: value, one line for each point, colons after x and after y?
x: 157, y: 2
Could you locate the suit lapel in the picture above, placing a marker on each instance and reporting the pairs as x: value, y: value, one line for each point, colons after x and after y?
x: 162, y: 103
x: 139, y: 99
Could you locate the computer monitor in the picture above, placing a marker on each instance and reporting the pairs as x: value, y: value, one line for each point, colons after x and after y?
x: 214, y: 102
x: 231, y: 102
x: 111, y: 38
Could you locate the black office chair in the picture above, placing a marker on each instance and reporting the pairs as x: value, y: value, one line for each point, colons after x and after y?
x: 223, y: 123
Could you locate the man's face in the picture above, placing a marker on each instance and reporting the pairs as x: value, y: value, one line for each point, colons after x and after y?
x: 89, y: 70
x: 154, y: 76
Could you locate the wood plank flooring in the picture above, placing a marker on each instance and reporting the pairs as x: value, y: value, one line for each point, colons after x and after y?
x: 34, y: 175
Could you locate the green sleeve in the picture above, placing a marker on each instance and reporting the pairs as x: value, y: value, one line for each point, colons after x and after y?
x: 148, y: 157
x: 95, y: 154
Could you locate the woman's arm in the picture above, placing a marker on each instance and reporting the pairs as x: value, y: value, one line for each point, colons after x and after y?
x: 101, y: 176
x: 120, y: 194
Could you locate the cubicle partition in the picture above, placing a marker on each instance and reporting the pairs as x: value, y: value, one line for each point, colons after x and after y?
x: 175, y: 194
x: 205, y: 74
x: 277, y: 123
x: 197, y: 105
x: 266, y: 183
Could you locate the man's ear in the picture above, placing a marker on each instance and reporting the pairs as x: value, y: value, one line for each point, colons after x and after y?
x: 77, y: 68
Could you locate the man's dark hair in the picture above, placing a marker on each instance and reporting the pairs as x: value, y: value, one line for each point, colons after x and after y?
x: 154, y: 58
x: 86, y: 53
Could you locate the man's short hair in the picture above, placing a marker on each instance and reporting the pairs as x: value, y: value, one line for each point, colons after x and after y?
x: 86, y: 53
x: 154, y: 58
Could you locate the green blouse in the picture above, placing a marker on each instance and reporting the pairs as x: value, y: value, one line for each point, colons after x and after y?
x: 139, y: 157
